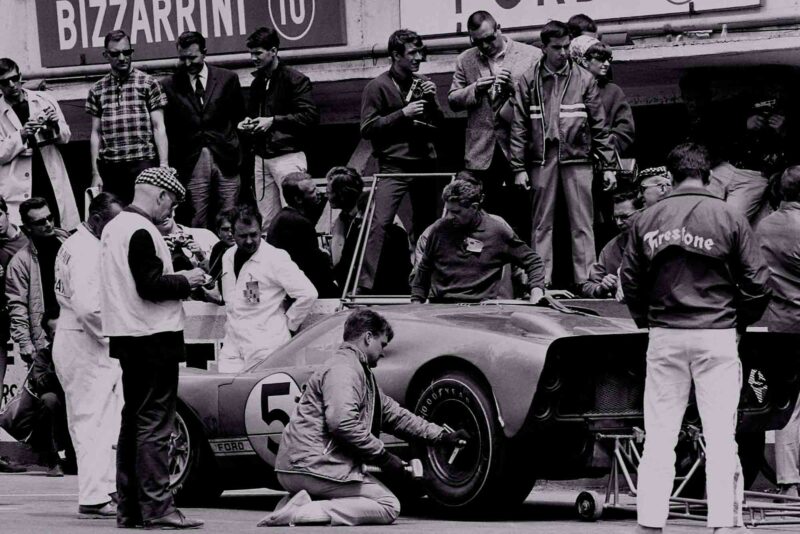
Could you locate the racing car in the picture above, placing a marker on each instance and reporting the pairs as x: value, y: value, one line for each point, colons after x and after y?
x: 534, y: 385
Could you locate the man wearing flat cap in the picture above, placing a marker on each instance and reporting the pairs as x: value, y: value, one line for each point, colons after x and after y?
x: 143, y: 318
x: 654, y: 184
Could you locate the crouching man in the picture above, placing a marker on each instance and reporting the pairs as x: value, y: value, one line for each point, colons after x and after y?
x: 335, y: 432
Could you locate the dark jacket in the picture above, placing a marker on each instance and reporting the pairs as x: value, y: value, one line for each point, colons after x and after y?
x: 395, y: 136
x: 619, y: 116
x: 295, y: 233
x: 692, y: 262
x: 582, y: 127
x: 191, y: 126
x: 779, y: 234
x: 331, y: 433
x: 466, y: 265
x: 288, y: 100
x: 608, y: 262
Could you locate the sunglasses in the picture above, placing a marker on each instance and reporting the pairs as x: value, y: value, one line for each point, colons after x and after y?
x: 43, y: 221
x: 11, y: 80
x: 117, y: 53
x: 623, y: 218
x: 489, y: 39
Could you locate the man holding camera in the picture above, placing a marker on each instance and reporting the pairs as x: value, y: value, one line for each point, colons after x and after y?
x: 399, y: 114
x: 31, y: 124
x: 483, y: 82
x: 335, y: 432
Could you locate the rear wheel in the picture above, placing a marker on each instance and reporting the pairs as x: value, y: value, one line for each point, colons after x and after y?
x: 487, y: 471
x: 192, y: 471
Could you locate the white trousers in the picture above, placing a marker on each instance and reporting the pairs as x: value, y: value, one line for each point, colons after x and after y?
x: 675, y: 359
x: 268, y: 178
x: 92, y: 383
x: 787, y: 449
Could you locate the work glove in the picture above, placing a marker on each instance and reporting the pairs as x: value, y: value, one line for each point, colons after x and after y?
x: 451, y: 439
x: 391, y: 464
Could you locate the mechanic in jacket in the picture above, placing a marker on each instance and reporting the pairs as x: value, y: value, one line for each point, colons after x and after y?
x: 256, y: 280
x: 694, y: 275
x: 335, y: 431
x: 91, y: 379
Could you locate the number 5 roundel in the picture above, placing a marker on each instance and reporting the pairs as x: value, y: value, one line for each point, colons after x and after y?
x: 266, y: 414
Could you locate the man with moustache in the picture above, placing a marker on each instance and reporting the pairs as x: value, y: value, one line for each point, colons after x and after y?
x: 204, y: 105
x: 128, y: 130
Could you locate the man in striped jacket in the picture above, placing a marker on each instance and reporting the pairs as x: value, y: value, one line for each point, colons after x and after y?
x: 558, y: 127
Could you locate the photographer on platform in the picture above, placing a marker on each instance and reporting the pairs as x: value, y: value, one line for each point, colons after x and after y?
x: 336, y: 430
x: 31, y: 125
x: 400, y: 115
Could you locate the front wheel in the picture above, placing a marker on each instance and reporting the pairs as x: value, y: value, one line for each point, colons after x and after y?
x: 192, y: 472
x: 487, y: 471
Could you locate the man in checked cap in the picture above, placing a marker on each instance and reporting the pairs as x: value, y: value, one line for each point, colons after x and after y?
x: 143, y: 318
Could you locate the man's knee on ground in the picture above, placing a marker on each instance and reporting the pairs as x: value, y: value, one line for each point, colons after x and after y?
x: 392, y: 506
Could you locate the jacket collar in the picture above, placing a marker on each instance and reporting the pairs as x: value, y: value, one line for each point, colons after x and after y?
x: 691, y: 190
x: 790, y: 205
x: 358, y: 353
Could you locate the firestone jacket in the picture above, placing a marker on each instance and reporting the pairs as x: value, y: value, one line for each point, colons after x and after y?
x: 25, y: 298
x: 582, y: 127
x: 692, y: 262
x: 331, y: 434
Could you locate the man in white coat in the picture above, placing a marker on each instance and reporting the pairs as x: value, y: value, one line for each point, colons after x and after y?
x: 256, y: 280
x: 31, y: 125
x: 92, y: 380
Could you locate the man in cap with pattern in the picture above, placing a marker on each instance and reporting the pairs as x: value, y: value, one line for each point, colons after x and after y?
x: 654, y: 184
x: 143, y: 318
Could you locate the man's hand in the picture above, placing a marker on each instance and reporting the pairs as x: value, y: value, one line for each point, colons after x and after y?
x: 537, y: 294
x: 26, y: 357
x: 29, y: 130
x: 609, y: 283
x: 49, y: 114
x: 755, y: 122
x: 559, y: 294
x: 428, y: 88
x: 414, y: 109
x: 776, y: 122
x: 97, y: 181
x: 521, y: 180
x: 196, y: 277
x: 262, y: 124
x: 609, y: 180
x: 459, y: 438
x: 391, y: 464
x: 482, y: 85
x: 503, y: 77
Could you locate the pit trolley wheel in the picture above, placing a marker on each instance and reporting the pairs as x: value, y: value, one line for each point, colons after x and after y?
x: 589, y: 506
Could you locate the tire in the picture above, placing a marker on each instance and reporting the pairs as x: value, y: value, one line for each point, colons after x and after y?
x: 193, y: 472
x: 487, y: 475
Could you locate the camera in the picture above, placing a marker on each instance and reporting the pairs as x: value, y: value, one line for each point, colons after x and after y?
x: 765, y: 107
x: 415, y: 92
x: 45, y: 133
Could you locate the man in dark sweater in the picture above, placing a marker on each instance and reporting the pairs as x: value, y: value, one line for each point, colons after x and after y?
x: 466, y: 251
x: 399, y: 114
x: 293, y: 230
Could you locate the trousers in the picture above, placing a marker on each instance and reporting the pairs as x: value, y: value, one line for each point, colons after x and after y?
x: 268, y: 176
x: 676, y: 358
x: 150, y: 389
x: 209, y: 187
x: 342, y: 503
x: 388, y: 196
x: 119, y: 177
x: 742, y: 189
x: 92, y: 385
x: 787, y: 449
x: 576, y: 180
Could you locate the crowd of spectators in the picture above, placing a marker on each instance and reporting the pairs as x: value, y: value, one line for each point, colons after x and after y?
x: 540, y: 122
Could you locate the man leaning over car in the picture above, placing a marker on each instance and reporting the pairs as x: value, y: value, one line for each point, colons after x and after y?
x: 335, y: 431
x: 466, y: 251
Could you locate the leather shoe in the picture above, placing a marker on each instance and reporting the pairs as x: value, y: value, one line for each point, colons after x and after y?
x: 6, y: 466
x: 174, y: 521
x: 106, y: 510
x: 54, y: 471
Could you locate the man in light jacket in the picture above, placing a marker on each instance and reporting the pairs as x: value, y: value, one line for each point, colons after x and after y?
x: 335, y: 431
x: 483, y: 82
x: 31, y: 125
x: 92, y: 381
x: 256, y: 280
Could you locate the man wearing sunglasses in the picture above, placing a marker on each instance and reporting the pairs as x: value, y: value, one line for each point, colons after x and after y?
x: 483, y: 82
x: 654, y: 184
x: 128, y: 130
x: 31, y: 125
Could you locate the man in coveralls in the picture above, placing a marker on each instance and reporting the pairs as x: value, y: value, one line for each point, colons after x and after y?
x: 693, y: 274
